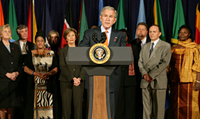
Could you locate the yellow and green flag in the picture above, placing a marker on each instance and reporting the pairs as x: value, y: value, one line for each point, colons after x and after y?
x: 158, y: 18
x: 12, y: 20
x: 179, y: 20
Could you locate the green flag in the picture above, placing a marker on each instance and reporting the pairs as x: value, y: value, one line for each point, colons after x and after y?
x: 82, y: 22
x: 158, y: 18
x: 120, y: 23
x: 12, y: 20
x: 179, y: 20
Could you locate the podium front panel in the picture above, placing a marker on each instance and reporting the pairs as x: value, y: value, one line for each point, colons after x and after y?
x: 80, y: 56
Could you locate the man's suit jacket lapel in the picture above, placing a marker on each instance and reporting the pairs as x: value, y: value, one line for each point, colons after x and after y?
x: 148, y: 51
x: 148, y: 39
x: 138, y: 43
x: 113, y: 37
x: 17, y: 42
x: 27, y: 45
x: 155, y: 49
x: 98, y: 31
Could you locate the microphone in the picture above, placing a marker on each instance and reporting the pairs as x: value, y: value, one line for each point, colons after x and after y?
x: 103, y: 37
x: 94, y: 37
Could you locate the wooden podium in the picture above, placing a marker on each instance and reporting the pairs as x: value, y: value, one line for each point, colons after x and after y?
x: 99, y: 102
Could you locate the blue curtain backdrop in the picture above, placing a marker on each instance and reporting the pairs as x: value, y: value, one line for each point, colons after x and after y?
x: 57, y: 12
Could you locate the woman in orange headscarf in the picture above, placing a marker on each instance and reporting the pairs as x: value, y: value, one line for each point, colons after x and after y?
x: 185, y: 77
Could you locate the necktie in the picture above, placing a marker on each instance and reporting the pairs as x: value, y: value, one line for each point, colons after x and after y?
x: 24, y: 48
x: 106, y: 42
x: 141, y: 44
x: 151, y: 50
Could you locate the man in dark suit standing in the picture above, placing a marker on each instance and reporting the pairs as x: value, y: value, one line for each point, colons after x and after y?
x: 130, y: 97
x: 115, y: 38
x: 25, y: 46
x: 154, y: 59
x: 142, y: 38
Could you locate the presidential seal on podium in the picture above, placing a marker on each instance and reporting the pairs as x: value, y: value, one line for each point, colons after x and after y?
x: 99, y: 53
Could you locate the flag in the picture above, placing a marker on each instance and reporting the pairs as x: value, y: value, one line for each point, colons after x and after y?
x: 197, y: 26
x: 158, y: 18
x: 46, y: 22
x: 12, y: 20
x: 101, y: 5
x: 1, y: 15
x: 82, y: 22
x: 31, y: 23
x: 63, y: 41
x: 141, y: 14
x: 120, y: 23
x: 179, y: 20
x: 68, y: 21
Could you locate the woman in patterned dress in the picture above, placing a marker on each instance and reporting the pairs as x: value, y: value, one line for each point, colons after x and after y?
x: 184, y: 79
x: 41, y: 65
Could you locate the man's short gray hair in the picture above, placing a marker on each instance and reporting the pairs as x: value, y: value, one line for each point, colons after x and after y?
x: 109, y: 8
x: 20, y: 27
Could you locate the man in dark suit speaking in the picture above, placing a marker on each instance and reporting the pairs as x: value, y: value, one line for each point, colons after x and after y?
x: 115, y: 38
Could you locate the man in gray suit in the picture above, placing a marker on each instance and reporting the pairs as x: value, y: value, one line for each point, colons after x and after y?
x: 115, y: 39
x: 154, y: 59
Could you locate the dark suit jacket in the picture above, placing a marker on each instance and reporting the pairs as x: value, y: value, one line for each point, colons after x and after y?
x: 9, y: 62
x: 68, y: 72
x: 29, y: 45
x: 136, y: 42
x: 136, y: 79
x: 117, y: 39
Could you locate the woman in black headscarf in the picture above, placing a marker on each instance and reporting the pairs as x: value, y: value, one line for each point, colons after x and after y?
x: 41, y: 65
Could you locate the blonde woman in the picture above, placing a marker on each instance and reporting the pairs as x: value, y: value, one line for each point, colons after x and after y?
x: 10, y: 68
